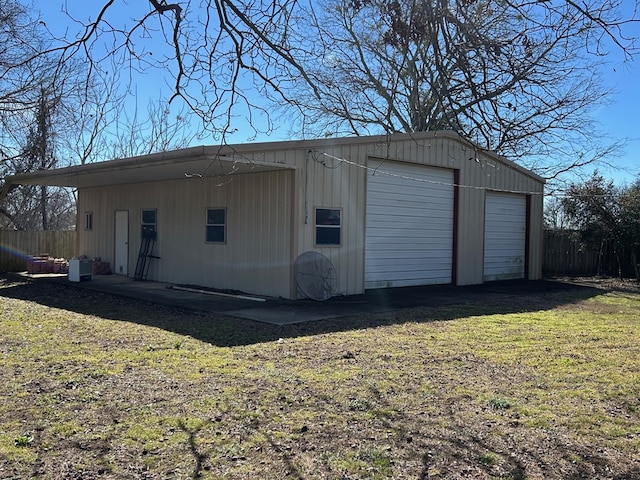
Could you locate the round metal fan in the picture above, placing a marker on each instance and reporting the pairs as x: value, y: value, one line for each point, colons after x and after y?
x: 316, y: 276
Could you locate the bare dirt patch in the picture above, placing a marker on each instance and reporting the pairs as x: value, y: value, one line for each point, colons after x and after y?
x: 603, y: 283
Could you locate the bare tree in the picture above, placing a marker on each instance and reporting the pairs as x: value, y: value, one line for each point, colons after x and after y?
x: 554, y: 216
x: 29, y: 207
x: 38, y: 152
x: 32, y: 86
x: 212, y: 52
x: 509, y: 74
x: 519, y: 78
x: 58, y: 111
x: 21, y: 64
x: 157, y: 129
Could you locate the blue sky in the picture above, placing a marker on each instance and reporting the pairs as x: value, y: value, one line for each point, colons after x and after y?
x: 619, y: 120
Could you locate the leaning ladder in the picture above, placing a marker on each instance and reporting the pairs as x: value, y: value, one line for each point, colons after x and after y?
x: 146, y: 253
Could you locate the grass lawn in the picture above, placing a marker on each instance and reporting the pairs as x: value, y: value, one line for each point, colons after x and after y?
x: 544, y: 386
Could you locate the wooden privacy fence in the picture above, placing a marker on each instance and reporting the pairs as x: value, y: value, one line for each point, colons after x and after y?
x: 17, y: 246
x: 564, y: 255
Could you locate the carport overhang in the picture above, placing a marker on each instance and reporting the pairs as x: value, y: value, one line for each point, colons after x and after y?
x: 194, y: 162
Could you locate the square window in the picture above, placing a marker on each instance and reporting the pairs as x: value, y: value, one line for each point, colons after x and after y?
x: 216, y: 225
x: 328, y: 226
x: 149, y: 217
x: 148, y: 223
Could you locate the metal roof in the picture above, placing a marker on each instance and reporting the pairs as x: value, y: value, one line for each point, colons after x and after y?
x: 207, y: 161
x: 194, y: 161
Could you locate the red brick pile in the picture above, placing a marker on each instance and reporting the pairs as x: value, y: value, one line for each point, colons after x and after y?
x: 45, y: 263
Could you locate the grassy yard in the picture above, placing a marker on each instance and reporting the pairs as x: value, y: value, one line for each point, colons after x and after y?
x: 544, y: 386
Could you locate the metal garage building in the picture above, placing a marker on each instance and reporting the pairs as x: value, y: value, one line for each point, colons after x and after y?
x: 314, y: 217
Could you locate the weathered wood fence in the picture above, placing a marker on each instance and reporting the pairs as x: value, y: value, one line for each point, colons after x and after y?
x: 17, y: 246
x: 564, y: 255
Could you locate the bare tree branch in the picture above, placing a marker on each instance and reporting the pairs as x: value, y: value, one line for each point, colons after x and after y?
x: 505, y: 74
x: 515, y: 77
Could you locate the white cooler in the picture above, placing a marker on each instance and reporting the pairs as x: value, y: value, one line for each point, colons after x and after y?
x: 80, y: 269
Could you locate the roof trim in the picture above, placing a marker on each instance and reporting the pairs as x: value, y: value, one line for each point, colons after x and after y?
x: 184, y: 163
x: 337, y: 142
x: 227, y: 160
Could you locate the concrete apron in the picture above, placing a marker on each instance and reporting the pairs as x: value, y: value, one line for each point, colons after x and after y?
x: 261, y: 309
x: 287, y: 312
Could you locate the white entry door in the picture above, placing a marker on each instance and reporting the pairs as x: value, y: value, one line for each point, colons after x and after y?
x: 121, y: 266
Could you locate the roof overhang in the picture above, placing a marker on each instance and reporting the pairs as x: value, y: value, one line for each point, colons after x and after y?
x: 186, y: 163
x: 212, y: 161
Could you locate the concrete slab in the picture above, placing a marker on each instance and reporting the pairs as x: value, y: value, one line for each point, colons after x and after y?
x: 289, y: 312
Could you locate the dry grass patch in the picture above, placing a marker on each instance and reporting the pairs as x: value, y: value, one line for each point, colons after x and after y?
x: 93, y: 386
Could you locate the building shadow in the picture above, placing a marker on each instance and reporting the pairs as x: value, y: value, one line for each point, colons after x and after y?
x: 374, y: 309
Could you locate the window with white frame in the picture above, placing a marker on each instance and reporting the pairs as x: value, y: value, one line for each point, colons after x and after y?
x: 328, y: 226
x: 148, y: 223
x: 216, y: 225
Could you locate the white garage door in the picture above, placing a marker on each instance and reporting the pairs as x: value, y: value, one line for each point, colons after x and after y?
x: 409, y: 226
x: 505, y: 231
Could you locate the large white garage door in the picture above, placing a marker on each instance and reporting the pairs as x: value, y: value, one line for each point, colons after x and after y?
x: 409, y: 226
x: 505, y: 231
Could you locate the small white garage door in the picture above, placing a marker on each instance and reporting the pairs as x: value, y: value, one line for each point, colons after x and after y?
x: 409, y: 225
x: 505, y: 232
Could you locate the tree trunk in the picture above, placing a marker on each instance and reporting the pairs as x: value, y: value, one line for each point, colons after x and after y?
x: 616, y: 253
x: 598, y: 268
x: 43, y: 207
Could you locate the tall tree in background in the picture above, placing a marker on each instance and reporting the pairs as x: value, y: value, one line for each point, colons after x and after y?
x: 554, y: 216
x: 630, y: 223
x: 38, y: 153
x: 21, y: 65
x: 593, y: 207
x: 518, y: 78
x: 603, y: 213
x: 56, y: 112
x: 30, y: 207
x: 514, y: 76
x: 154, y: 130
x: 509, y: 75
x: 30, y: 95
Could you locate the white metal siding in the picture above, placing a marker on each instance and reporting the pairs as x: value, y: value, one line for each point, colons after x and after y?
x: 256, y: 257
x: 409, y: 225
x: 504, y: 236
x: 271, y: 214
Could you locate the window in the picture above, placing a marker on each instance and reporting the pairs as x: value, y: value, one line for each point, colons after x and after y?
x: 327, y: 226
x: 216, y: 225
x: 148, y: 223
x: 88, y: 220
